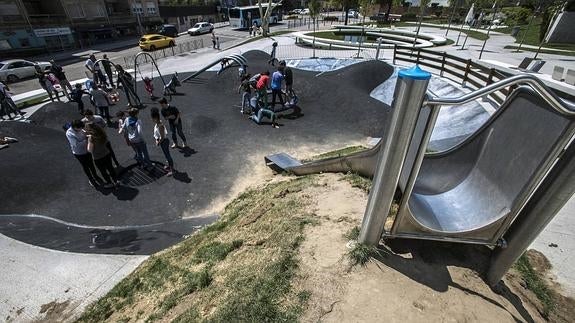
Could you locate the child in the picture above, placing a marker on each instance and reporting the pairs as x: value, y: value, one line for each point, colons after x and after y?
x: 76, y: 96
x: 114, y: 96
x: 246, y: 89
x: 161, y: 137
x: 149, y: 86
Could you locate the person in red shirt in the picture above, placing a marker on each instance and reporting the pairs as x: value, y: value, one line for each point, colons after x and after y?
x: 262, y: 88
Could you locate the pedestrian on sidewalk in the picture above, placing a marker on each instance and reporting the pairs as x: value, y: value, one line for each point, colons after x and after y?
x: 133, y: 132
x: 172, y: 114
x: 102, y: 102
x: 98, y: 146
x: 161, y: 137
x: 214, y: 39
x: 79, y: 144
x: 108, y: 69
x: 58, y: 71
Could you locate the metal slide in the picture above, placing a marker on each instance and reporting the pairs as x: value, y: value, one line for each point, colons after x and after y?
x: 236, y: 58
x: 473, y: 191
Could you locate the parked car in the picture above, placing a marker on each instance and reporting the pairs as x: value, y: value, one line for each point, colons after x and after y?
x: 304, y: 11
x: 13, y: 70
x: 155, y: 41
x: 201, y: 28
x: 352, y: 14
x: 168, y: 30
x: 296, y: 11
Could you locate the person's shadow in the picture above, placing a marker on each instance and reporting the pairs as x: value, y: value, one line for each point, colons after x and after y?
x: 182, y: 177
x: 187, y: 151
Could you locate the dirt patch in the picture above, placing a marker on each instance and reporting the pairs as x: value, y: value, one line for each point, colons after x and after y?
x: 56, y: 311
x: 412, y: 281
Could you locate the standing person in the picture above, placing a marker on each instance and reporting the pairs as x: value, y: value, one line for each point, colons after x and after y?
x: 90, y: 117
x: 214, y: 39
x: 43, y: 81
x: 132, y: 131
x: 288, y: 77
x: 76, y: 96
x: 98, y: 146
x: 102, y: 102
x: 97, y: 75
x: 246, y: 90
x: 172, y: 114
x: 127, y: 82
x: 58, y: 71
x: 262, y: 88
x: 218, y: 43
x: 7, y: 105
x: 161, y: 137
x: 276, y: 86
x: 273, y: 58
x: 108, y: 69
x: 79, y: 144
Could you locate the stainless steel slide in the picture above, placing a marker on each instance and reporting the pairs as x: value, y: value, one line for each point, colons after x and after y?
x: 469, y: 191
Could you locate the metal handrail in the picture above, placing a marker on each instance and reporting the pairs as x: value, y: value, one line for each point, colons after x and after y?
x: 560, y: 105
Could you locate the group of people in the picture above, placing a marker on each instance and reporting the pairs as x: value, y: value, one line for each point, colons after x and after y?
x: 257, y: 105
x: 90, y: 145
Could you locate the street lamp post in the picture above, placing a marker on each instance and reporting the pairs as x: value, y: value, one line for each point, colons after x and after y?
x: 455, y: 3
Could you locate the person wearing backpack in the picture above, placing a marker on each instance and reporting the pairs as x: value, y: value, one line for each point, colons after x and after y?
x: 132, y: 131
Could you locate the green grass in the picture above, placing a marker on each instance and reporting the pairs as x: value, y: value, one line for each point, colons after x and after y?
x: 361, y: 253
x: 238, y: 269
x: 336, y: 153
x: 536, y: 284
x: 531, y: 37
x: 352, y: 234
x: 358, y: 181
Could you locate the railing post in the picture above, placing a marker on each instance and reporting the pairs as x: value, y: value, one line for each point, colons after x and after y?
x: 418, y: 54
x: 407, y: 100
x: 442, y: 63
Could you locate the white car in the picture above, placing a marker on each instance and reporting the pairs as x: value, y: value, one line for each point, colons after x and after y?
x: 304, y: 11
x: 201, y: 28
x: 13, y: 70
x: 296, y: 11
x: 352, y: 14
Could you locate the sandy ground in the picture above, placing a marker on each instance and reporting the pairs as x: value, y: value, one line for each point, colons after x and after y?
x: 413, y: 281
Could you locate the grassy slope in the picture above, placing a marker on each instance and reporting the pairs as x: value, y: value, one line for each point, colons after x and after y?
x: 239, y: 268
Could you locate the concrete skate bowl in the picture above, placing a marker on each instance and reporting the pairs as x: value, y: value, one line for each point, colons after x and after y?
x: 46, y: 188
x: 348, y: 37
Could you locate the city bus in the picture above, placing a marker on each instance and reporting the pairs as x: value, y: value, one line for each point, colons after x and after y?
x: 244, y: 17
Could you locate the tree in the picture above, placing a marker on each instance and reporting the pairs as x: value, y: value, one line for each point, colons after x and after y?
x: 266, y: 15
x: 314, y: 7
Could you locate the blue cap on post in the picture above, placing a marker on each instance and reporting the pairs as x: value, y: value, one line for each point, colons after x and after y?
x: 415, y: 73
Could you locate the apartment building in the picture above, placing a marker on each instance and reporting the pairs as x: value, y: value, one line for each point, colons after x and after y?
x: 32, y: 26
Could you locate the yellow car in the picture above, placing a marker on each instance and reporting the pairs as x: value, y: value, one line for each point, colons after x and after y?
x: 155, y: 41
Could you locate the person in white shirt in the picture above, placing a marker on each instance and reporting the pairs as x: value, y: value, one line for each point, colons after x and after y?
x: 161, y: 137
x: 79, y: 144
x: 94, y: 69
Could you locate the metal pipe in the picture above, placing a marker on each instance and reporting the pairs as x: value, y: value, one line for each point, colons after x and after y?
x: 560, y: 105
x: 549, y: 199
x: 408, y: 97
x: 379, y: 40
x: 429, y: 125
x: 455, y: 3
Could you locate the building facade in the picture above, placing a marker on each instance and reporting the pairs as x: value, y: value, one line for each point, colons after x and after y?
x: 34, y: 26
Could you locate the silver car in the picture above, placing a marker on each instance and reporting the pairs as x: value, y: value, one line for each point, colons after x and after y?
x: 201, y: 28
x: 16, y: 69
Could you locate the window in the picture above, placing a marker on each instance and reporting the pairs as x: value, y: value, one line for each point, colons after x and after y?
x: 75, y: 11
x: 151, y: 8
x: 94, y: 10
x: 9, y: 9
x: 137, y: 8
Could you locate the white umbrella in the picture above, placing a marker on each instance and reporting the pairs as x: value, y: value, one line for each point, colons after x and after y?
x: 469, y: 17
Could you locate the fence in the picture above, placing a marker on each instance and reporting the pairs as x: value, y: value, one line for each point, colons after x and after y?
x: 301, y: 52
x: 320, y: 22
x: 462, y: 71
x: 169, y: 51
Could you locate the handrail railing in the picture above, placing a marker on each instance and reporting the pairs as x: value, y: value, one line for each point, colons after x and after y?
x: 560, y: 105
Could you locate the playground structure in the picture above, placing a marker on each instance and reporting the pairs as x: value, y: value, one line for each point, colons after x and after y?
x: 499, y: 187
x: 233, y: 60
x: 385, y: 38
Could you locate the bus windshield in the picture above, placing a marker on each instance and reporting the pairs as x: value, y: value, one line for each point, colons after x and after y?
x: 234, y: 13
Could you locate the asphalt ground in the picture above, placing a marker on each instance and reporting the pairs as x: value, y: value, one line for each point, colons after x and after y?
x: 40, y: 175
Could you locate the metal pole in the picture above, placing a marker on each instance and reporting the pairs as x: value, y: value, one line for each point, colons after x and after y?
x: 379, y: 40
x: 407, y: 100
x: 549, y: 199
x: 455, y: 3
x: 489, y: 30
